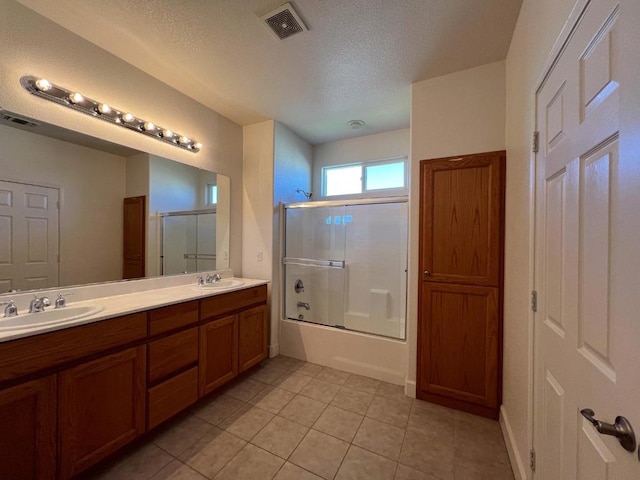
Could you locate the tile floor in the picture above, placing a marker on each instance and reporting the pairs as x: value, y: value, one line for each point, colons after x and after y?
x: 291, y: 420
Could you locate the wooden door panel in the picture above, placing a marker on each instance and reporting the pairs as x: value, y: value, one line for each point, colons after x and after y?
x: 28, y: 430
x: 102, y: 408
x: 460, y: 338
x: 134, y: 237
x: 218, y: 353
x: 253, y: 325
x: 461, y: 219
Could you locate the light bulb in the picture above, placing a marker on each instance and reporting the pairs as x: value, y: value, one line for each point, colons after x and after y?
x: 104, y: 108
x: 75, y: 97
x: 184, y: 140
x: 197, y: 146
x: 128, y: 117
x: 167, y: 134
x: 149, y: 126
x: 43, y: 85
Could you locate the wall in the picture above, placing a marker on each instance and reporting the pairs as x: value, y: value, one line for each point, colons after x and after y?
x: 369, y: 147
x: 538, y: 27
x: 92, y: 185
x: 450, y: 115
x: 33, y: 45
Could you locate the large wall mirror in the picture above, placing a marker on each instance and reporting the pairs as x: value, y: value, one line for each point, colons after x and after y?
x: 76, y: 210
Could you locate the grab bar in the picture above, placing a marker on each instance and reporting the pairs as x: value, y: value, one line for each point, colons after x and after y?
x: 310, y: 262
x: 197, y: 256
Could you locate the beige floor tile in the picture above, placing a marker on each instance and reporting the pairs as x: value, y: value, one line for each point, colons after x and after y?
x: 212, y: 452
x: 267, y: 373
x: 246, y: 422
x: 364, y: 384
x: 286, y: 363
x: 280, y: 436
x: 141, y: 464
x: 361, y: 464
x: 469, y: 470
x: 379, y: 437
x: 272, y: 399
x: 179, y: 435
x: 408, y: 473
x: 428, y: 451
x: 292, y: 382
x: 309, y: 369
x: 177, y: 471
x: 390, y: 410
x: 251, y: 463
x: 352, y: 400
x: 319, y: 390
x: 332, y: 375
x: 320, y: 454
x: 289, y: 471
x: 303, y: 410
x: 245, y: 389
x: 218, y: 409
x: 388, y: 390
x: 338, y: 423
x: 479, y: 439
x: 431, y: 416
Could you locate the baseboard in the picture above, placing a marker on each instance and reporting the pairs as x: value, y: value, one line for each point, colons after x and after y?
x: 519, y: 470
x: 274, y: 350
x: 410, y: 388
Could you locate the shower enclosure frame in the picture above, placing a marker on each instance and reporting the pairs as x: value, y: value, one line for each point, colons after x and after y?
x: 284, y: 261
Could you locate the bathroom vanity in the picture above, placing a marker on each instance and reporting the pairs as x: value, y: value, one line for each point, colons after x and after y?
x: 69, y: 398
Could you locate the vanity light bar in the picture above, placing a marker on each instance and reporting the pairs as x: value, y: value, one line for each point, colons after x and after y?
x: 76, y: 101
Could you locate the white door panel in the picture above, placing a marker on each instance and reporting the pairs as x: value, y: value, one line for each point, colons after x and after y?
x: 587, y: 339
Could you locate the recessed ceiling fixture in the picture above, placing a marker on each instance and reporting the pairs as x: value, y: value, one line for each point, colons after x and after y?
x: 356, y: 124
x: 76, y: 101
x: 284, y: 22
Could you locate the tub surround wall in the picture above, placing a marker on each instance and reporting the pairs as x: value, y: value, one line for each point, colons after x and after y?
x: 75, y: 63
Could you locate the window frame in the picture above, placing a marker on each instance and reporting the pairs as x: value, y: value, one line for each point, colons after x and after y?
x: 380, y: 192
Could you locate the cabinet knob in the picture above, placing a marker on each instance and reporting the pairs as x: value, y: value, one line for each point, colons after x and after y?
x: 427, y: 272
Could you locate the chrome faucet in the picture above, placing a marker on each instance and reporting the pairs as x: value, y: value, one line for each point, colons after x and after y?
x: 212, y: 278
x: 37, y: 304
x: 304, y: 305
x: 61, y: 302
x: 10, y: 310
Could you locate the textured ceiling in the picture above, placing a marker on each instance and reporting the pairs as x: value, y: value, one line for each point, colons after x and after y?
x: 357, y: 61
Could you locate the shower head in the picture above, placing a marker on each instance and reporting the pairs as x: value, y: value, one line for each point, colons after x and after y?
x: 306, y: 194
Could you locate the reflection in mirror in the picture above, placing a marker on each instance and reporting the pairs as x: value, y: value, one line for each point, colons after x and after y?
x: 64, y: 220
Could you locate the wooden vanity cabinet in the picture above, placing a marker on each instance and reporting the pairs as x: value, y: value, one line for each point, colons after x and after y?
x: 28, y: 430
x: 253, y: 326
x: 101, y: 408
x: 218, y: 353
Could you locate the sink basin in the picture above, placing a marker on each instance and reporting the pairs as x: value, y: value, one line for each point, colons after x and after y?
x: 221, y: 284
x: 49, y: 317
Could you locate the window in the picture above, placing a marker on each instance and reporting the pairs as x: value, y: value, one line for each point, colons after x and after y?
x: 212, y: 194
x: 367, y: 177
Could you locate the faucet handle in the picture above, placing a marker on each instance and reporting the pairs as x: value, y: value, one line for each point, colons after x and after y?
x: 61, y: 301
x: 200, y: 280
x: 10, y: 310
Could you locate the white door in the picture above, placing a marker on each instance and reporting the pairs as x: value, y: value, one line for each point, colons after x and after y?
x: 28, y: 236
x: 587, y: 327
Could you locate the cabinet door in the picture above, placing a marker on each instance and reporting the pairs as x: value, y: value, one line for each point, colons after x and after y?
x: 218, y: 353
x: 28, y: 430
x: 254, y: 328
x: 461, y: 219
x: 101, y: 408
x: 459, y: 332
x: 135, y: 214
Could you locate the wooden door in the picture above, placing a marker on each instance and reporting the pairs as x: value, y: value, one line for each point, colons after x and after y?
x: 218, y: 353
x: 587, y: 248
x: 252, y: 338
x: 29, y: 226
x: 461, y: 243
x: 101, y: 408
x: 135, y: 220
x: 28, y: 430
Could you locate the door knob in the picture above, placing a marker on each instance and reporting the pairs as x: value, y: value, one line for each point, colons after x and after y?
x: 427, y: 272
x: 621, y: 429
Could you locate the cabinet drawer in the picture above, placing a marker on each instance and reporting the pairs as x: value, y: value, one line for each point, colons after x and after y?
x: 229, y: 302
x: 172, y: 396
x: 28, y: 355
x: 170, y: 354
x: 170, y: 318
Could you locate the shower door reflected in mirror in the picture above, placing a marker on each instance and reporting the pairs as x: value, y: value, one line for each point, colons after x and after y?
x: 188, y: 242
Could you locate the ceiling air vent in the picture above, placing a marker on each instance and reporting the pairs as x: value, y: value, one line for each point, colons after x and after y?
x: 284, y: 22
x: 10, y: 117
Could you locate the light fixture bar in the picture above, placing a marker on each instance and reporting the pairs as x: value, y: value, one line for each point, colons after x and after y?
x: 44, y: 89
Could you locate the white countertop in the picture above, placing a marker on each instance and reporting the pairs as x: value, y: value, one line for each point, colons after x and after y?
x: 125, y: 304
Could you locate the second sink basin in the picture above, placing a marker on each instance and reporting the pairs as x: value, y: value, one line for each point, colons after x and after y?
x: 49, y: 317
x: 228, y: 283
